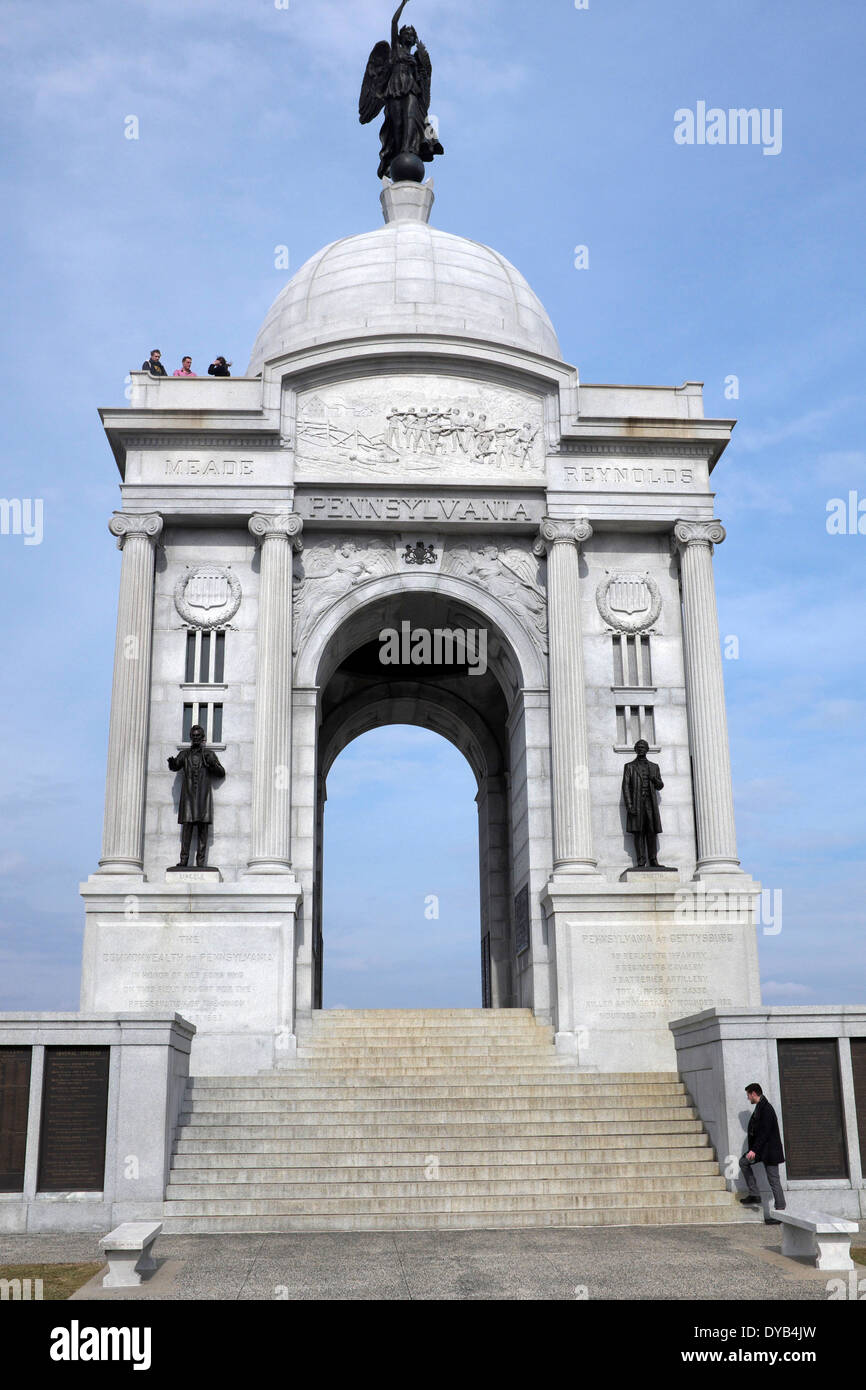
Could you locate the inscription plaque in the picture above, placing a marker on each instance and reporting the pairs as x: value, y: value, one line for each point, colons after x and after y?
x: 486, y: 991
x: 858, y: 1062
x: 74, y: 1119
x: 14, y: 1105
x: 521, y: 920
x: 812, y: 1110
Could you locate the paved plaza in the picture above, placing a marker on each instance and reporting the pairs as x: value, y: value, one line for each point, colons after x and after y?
x: 659, y: 1263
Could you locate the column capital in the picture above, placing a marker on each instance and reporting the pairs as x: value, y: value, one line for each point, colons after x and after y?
x: 550, y: 533
x: 125, y: 524
x: 266, y: 526
x: 707, y: 533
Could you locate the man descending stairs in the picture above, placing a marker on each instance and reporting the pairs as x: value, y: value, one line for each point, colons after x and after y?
x: 392, y: 1120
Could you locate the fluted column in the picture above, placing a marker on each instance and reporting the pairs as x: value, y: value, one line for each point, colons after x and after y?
x: 123, y: 834
x: 708, y: 721
x: 572, y: 807
x: 270, y: 833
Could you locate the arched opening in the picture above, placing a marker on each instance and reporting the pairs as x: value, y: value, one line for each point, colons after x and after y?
x: 491, y: 704
x: 401, y: 874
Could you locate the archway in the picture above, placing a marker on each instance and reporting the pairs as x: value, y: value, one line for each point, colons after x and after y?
x: 345, y: 688
x: 401, y: 874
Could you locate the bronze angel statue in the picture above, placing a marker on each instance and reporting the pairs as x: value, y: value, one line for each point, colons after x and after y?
x: 398, y: 80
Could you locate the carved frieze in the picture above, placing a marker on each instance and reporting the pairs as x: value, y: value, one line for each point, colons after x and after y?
x: 420, y: 426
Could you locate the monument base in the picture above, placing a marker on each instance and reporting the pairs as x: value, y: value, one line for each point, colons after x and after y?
x: 631, y: 956
x: 222, y: 954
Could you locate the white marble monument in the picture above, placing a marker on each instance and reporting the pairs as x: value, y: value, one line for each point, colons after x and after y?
x: 408, y: 387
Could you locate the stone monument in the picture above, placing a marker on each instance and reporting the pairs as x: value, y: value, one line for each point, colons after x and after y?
x: 408, y: 450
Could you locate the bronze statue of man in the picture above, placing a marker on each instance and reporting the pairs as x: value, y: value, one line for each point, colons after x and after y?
x: 195, y: 812
x: 641, y: 782
x: 398, y: 79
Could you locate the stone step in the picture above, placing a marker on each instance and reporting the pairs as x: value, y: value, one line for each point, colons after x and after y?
x: 608, y: 1107
x: 209, y: 1189
x: 572, y: 1148
x: 433, y: 1092
x: 498, y: 1129
x: 429, y: 1202
x: 590, y: 1082
x: 658, y: 1215
x: 482, y: 1166
x: 408, y: 1112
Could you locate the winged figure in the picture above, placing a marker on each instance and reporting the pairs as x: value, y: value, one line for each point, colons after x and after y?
x: 397, y: 81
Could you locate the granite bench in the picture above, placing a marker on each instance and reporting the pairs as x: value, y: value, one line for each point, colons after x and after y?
x: 128, y: 1251
x: 826, y: 1240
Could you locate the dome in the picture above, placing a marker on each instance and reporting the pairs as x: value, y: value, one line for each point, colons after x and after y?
x: 406, y: 277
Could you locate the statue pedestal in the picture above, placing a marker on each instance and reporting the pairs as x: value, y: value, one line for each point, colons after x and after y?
x: 220, y: 954
x: 185, y: 874
x: 649, y: 876
x: 632, y: 956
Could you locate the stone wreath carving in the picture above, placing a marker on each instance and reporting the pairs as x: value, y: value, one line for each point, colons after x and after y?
x: 619, y: 602
x: 208, y: 596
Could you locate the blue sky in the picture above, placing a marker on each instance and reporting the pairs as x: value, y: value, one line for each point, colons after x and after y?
x: 704, y: 262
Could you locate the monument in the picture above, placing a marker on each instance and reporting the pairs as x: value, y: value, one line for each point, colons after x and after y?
x: 409, y: 446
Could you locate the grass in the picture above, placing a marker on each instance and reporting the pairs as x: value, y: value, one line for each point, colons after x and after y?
x: 858, y: 1256
x: 58, y: 1281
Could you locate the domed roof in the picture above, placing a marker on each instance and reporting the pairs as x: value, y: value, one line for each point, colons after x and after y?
x: 406, y: 277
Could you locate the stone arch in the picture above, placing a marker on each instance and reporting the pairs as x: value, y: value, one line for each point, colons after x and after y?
x: 315, y: 652
x: 491, y: 732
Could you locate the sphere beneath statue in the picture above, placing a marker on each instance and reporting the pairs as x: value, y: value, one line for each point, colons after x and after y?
x: 407, y: 168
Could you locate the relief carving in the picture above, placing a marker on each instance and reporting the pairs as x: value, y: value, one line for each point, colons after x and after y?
x: 440, y: 426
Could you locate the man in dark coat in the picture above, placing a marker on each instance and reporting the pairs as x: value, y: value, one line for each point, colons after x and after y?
x: 154, y: 364
x: 195, y: 811
x: 764, y: 1146
x: 641, y: 781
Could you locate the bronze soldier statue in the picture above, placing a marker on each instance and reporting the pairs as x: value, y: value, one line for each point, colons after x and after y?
x: 398, y: 79
x: 641, y: 781
x: 195, y: 812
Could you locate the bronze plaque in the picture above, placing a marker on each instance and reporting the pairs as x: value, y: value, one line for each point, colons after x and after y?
x: 486, y: 991
x: 14, y: 1105
x: 858, y: 1062
x: 812, y: 1109
x: 521, y: 920
x: 74, y: 1119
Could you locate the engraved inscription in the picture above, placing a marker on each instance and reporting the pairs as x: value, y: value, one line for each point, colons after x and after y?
x: 613, y: 476
x: 74, y: 1119
x: 14, y: 1104
x: 204, y: 467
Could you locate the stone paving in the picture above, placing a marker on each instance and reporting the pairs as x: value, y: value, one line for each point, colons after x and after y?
x: 653, y: 1263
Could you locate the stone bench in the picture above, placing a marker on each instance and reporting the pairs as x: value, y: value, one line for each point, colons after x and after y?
x: 826, y: 1240
x: 128, y: 1251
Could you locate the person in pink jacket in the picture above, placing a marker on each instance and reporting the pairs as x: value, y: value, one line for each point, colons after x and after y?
x: 185, y: 368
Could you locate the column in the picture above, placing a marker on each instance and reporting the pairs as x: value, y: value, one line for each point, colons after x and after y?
x: 270, y: 836
x: 123, y: 834
x: 572, y: 808
x: 708, y: 722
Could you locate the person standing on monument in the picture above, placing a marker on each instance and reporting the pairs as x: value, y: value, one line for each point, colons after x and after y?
x: 185, y: 368
x: 154, y: 364
x: 641, y: 781
x: 219, y: 367
x: 195, y: 812
x: 764, y: 1146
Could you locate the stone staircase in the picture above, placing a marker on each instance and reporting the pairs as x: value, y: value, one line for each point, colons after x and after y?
x: 391, y: 1120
